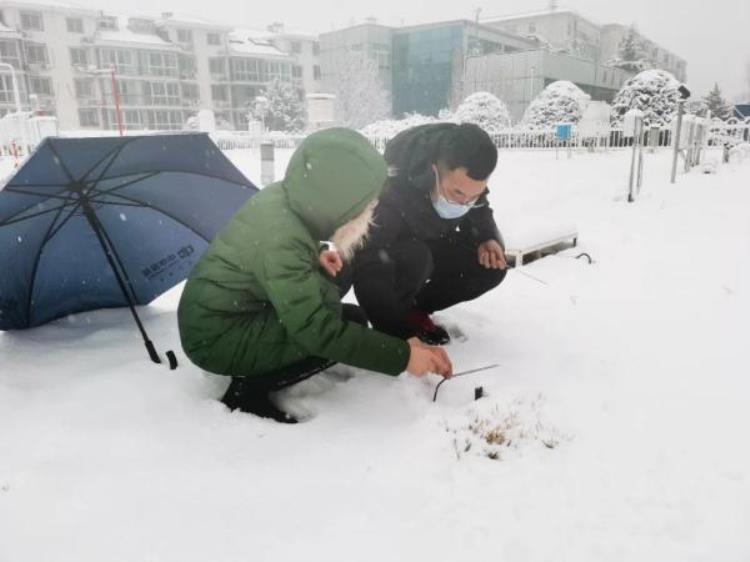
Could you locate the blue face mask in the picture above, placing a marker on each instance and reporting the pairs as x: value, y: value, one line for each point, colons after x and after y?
x: 448, y: 209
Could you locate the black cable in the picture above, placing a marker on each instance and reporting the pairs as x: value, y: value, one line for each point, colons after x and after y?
x: 463, y: 374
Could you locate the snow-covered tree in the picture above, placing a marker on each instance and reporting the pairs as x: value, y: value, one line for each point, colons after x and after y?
x: 560, y: 102
x: 389, y: 128
x: 630, y: 53
x: 361, y: 97
x: 717, y: 105
x: 280, y: 108
x: 652, y: 91
x: 483, y: 109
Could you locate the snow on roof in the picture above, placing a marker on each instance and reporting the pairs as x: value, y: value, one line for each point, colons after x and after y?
x: 49, y: 4
x: 184, y: 19
x: 125, y: 35
x: 242, y: 43
x: 537, y: 14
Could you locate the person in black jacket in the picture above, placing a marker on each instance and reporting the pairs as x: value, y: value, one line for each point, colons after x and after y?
x: 434, y: 242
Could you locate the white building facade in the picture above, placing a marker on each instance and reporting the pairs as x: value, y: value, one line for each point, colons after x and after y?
x: 166, y: 67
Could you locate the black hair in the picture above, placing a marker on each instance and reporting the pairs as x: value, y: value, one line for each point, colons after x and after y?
x: 467, y: 146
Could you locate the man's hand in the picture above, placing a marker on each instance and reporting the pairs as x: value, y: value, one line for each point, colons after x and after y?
x: 425, y: 359
x: 331, y: 261
x: 491, y: 255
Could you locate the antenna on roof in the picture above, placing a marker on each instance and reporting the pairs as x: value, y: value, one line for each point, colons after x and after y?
x: 477, y: 11
x: 552, y: 5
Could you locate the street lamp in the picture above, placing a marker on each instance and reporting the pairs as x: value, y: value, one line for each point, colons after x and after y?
x: 16, y: 93
x: 115, y: 93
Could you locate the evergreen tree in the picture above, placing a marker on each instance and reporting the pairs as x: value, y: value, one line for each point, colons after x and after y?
x: 361, y: 98
x: 717, y: 104
x: 280, y: 108
x: 630, y: 55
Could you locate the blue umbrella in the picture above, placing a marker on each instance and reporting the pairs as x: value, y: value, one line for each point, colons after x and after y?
x: 110, y: 222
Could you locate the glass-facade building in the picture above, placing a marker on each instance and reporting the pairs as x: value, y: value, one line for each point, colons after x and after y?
x: 429, y: 61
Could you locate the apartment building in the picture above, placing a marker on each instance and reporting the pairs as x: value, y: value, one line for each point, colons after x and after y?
x: 166, y: 66
x: 569, y: 32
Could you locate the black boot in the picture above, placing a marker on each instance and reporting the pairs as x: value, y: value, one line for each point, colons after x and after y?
x: 253, y: 400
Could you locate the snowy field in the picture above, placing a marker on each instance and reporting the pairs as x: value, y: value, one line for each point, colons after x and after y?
x: 614, y: 429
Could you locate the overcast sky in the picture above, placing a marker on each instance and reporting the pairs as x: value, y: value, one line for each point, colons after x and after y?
x: 712, y: 35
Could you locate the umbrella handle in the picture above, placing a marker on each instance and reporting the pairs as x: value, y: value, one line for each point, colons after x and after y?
x: 171, y: 357
x: 152, y: 351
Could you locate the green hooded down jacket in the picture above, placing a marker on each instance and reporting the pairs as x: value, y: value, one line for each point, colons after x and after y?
x: 257, y: 300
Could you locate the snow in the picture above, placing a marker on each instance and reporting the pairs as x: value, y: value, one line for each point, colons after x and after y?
x: 621, y: 390
x: 389, y: 128
x: 483, y: 109
x: 655, y: 92
x: 560, y: 102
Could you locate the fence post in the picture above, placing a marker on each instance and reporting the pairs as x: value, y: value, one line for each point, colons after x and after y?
x: 676, y: 137
x: 267, y: 163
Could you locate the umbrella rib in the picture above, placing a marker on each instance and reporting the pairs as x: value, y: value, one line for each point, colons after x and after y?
x: 96, y: 191
x: 22, y: 211
x: 36, y: 264
x: 9, y: 220
x: 190, y: 173
x: 114, y: 153
x: 60, y: 161
x: 43, y: 195
x: 58, y: 228
x: 159, y: 210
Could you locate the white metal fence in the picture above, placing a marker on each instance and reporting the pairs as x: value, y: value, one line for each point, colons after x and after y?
x: 20, y: 133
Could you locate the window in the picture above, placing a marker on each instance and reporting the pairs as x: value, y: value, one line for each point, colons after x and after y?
x: 190, y: 91
x: 9, y: 53
x: 128, y: 91
x: 36, y: 53
x: 296, y: 47
x: 84, y: 87
x: 6, y: 89
x: 247, y: 70
x: 161, y: 64
x: 79, y: 56
x: 296, y: 71
x: 213, y: 39
x: 88, y: 117
x: 122, y: 60
x: 219, y: 92
x: 532, y: 28
x: 161, y: 93
x: 164, y: 120
x: 131, y: 118
x: 75, y: 25
x: 316, y: 72
x: 108, y: 23
x: 316, y: 48
x: 185, y: 36
x: 217, y: 67
x: 32, y: 21
x: 186, y: 65
x: 40, y: 85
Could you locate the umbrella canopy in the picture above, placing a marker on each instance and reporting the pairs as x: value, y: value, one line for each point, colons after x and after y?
x: 109, y: 222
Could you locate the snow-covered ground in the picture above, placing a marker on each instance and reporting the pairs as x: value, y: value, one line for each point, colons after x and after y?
x: 617, y: 418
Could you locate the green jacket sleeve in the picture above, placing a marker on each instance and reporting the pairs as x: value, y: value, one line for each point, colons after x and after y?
x: 294, y: 289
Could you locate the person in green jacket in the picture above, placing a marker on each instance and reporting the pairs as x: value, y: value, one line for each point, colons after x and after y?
x: 262, y: 304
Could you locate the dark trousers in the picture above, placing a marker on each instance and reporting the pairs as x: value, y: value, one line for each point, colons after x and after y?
x: 411, y: 273
x: 305, y: 368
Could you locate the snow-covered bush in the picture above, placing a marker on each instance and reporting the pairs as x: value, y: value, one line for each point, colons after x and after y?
x: 389, y: 128
x: 280, y: 108
x: 652, y: 91
x: 483, y: 109
x: 560, y: 102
